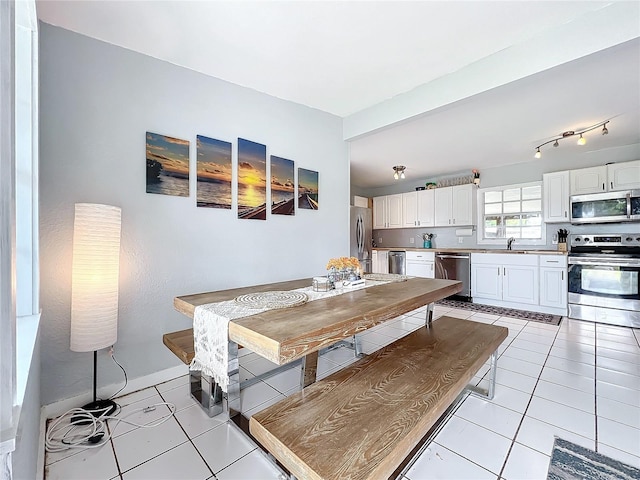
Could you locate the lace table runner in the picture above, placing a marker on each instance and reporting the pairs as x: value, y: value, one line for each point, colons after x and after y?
x: 211, y: 330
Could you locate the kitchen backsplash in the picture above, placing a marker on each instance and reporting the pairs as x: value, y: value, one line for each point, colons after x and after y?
x: 445, y: 237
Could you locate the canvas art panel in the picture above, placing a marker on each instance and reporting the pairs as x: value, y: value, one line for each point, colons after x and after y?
x: 282, y: 186
x: 167, y: 165
x: 214, y: 173
x: 307, y: 189
x: 252, y: 180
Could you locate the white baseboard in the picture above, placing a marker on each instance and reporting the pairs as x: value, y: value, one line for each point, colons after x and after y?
x: 58, y: 408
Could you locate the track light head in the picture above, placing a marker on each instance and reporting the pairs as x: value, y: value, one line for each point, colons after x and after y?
x: 555, y: 144
x: 538, y: 154
x: 582, y: 140
x: 605, y: 130
x: 570, y: 133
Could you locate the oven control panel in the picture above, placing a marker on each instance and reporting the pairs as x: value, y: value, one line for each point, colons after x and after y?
x: 605, y: 240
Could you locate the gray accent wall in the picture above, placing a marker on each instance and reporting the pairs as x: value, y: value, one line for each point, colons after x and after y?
x: 97, y: 102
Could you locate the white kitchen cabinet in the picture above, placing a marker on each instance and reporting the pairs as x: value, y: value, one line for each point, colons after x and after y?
x: 623, y: 176
x: 380, y: 261
x: 387, y: 211
x: 553, y: 281
x: 555, y: 191
x: 420, y: 264
x: 588, y: 180
x: 455, y: 205
x: 510, y: 278
x: 418, y: 208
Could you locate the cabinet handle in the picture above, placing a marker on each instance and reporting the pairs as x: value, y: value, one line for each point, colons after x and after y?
x: 611, y: 185
x: 603, y: 186
x: 498, y: 271
x: 504, y: 270
x: 562, y: 275
x: 565, y: 214
x: 454, y: 221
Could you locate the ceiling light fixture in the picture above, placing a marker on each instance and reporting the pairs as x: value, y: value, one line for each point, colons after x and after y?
x: 571, y: 133
x: 398, y: 171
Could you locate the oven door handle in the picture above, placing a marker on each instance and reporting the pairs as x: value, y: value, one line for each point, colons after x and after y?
x: 603, y: 263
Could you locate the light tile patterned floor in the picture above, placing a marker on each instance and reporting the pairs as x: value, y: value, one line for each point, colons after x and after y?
x: 579, y: 381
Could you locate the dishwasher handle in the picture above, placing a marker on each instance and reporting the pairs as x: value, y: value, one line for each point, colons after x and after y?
x: 453, y: 256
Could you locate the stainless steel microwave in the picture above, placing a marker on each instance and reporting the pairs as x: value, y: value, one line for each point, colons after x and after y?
x: 609, y: 207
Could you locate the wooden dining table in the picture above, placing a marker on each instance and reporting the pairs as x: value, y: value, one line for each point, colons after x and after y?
x: 299, y: 333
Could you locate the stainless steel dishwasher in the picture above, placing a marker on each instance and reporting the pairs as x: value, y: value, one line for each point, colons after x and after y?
x: 397, y: 262
x: 455, y: 266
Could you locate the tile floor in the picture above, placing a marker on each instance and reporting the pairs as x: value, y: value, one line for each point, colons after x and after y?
x: 579, y: 381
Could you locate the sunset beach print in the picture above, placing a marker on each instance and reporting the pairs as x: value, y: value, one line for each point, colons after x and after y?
x: 252, y: 180
x: 307, y: 189
x: 214, y: 173
x: 167, y: 165
x: 282, y: 186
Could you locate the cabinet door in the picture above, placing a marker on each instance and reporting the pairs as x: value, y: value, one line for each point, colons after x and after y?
x: 588, y: 180
x: 419, y: 269
x: 374, y: 262
x: 462, y: 204
x: 383, y: 261
x: 443, y: 206
x: 553, y: 287
x: 624, y: 176
x: 486, y: 281
x: 555, y: 191
x: 410, y: 209
x: 394, y: 209
x: 380, y: 212
x: 520, y: 284
x: 426, y: 208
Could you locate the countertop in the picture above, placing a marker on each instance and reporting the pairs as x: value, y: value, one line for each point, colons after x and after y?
x: 472, y: 250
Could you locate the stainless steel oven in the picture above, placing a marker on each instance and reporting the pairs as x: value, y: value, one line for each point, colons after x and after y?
x: 604, y: 279
x: 607, y: 207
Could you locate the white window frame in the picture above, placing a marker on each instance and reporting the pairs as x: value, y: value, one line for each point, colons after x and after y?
x: 502, y: 241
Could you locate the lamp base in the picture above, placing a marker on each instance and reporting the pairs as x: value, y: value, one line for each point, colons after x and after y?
x: 96, y: 408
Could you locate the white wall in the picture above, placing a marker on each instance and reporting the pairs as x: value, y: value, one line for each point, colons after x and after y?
x: 97, y: 102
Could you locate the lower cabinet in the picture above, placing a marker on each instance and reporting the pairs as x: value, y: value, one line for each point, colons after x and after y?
x: 553, y: 281
x: 505, y: 277
x: 380, y: 261
x: 420, y: 264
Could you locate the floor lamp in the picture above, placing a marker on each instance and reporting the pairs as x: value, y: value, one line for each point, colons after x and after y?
x: 94, y: 286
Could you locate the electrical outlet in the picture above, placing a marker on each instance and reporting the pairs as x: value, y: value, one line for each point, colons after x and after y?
x: 555, y: 239
x: 411, y: 240
x: 380, y: 240
x: 460, y: 240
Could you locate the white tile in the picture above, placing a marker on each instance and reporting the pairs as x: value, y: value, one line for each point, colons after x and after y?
x: 574, y: 346
x: 521, y: 382
x: 539, y: 435
x: 613, y: 330
x: 565, y: 417
x: 525, y: 463
x: 136, y: 396
x: 490, y: 416
x: 571, y: 380
x: 516, y: 321
x: 482, y: 319
x: 409, y: 324
x: 389, y: 331
x: 573, y: 354
x: 620, y: 436
x: 619, y: 366
x: 488, y: 316
x: 257, y: 394
x: 254, y: 466
x: 249, y: 413
x: 628, y: 357
x: 377, y: 338
x: 618, y: 378
x: 369, y: 347
x: 181, y: 462
x: 632, y: 348
x: 440, y: 463
x: 565, y: 395
x: 577, y: 368
x: 543, y: 326
x: 520, y: 366
x: 511, y: 398
x: 285, y: 381
x: 223, y: 445
x: 488, y: 449
x: 526, y: 355
x: 142, y: 444
x: 627, y: 339
x: 633, y: 460
x: 259, y: 365
x: 619, y: 412
x: 535, y: 338
x: 134, y: 414
x: 195, y: 421
x: 569, y: 337
x: 180, y: 397
x: 615, y: 392
x: 181, y: 381
x: 531, y: 346
x: 459, y: 313
x: 95, y: 463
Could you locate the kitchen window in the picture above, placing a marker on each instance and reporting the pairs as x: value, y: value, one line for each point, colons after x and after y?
x: 511, y: 211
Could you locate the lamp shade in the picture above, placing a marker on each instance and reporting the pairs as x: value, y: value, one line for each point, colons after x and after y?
x: 94, y: 283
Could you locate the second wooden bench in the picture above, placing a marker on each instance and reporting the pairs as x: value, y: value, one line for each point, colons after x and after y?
x: 362, y: 422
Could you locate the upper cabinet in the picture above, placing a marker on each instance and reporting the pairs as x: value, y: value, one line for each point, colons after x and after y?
x: 418, y: 208
x: 606, y: 178
x: 555, y: 193
x: 455, y: 205
x: 387, y: 211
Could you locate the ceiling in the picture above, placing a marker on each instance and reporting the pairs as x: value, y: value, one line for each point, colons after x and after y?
x: 346, y: 57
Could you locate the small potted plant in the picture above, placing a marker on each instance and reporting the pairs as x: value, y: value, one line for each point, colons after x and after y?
x: 476, y: 176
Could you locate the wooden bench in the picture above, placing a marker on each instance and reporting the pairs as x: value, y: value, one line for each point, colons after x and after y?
x: 362, y: 422
x: 181, y: 344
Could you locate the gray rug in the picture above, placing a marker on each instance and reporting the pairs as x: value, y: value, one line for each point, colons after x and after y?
x: 573, y: 462
x: 507, y: 312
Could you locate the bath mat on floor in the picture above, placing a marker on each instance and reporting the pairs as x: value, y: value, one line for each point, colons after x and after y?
x: 507, y: 312
x: 572, y: 462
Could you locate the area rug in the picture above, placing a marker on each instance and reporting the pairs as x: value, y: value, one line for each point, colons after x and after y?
x: 506, y: 312
x: 572, y: 462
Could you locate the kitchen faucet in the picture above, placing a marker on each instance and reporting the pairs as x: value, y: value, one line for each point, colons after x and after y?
x: 509, y: 242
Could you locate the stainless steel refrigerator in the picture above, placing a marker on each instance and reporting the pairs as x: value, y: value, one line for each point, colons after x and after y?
x: 361, y: 234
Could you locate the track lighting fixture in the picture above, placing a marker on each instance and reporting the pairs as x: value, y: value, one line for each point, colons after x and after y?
x: 398, y: 171
x: 571, y: 133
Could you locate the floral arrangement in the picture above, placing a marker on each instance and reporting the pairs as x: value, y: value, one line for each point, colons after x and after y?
x: 342, y: 263
x: 476, y: 176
